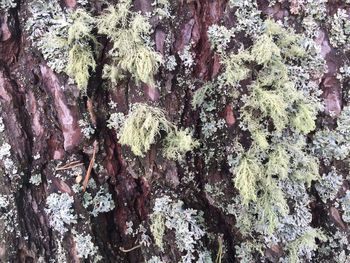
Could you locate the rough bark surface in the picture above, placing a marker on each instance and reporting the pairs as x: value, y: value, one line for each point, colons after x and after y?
x: 41, y: 110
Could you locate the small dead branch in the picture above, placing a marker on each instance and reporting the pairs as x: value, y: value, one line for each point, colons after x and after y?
x: 91, y: 164
x: 69, y: 166
x: 130, y: 249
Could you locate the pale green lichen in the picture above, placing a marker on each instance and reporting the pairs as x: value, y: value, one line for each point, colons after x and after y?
x: 220, y: 37
x: 131, y: 51
x: 334, y: 144
x: 85, y: 247
x: 60, y: 211
x: 144, y: 124
x: 102, y: 202
x: 177, y: 143
x: 35, y: 179
x: 7, y: 4
x: 340, y: 29
x: 345, y: 203
x: 169, y: 215
x: 329, y: 185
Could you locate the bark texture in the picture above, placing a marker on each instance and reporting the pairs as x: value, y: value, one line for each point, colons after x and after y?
x: 41, y: 111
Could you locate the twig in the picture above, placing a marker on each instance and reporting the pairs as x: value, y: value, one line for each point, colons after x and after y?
x: 130, y: 249
x: 219, y: 254
x: 69, y: 165
x: 91, y: 164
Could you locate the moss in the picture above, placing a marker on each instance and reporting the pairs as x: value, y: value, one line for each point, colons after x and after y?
x: 200, y: 95
x: 235, y: 68
x: 278, y: 163
x: 277, y: 114
x: 260, y: 138
x: 144, y: 124
x: 271, y: 104
x: 304, y: 119
x: 65, y: 40
x: 264, y: 50
x: 272, y: 204
x: 81, y: 61
x: 81, y: 58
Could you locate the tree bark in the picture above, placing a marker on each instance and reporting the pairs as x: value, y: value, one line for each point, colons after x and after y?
x: 41, y: 111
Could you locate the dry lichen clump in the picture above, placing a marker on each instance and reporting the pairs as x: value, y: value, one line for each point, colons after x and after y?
x: 131, y: 52
x: 277, y: 111
x: 65, y: 39
x: 142, y: 126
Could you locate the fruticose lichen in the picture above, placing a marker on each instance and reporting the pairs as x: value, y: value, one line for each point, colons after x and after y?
x: 144, y: 124
x: 132, y: 51
x: 65, y: 39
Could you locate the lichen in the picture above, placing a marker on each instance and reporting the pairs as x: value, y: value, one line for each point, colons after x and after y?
x: 7, y: 4
x: 85, y: 247
x: 144, y: 124
x: 177, y: 143
x: 60, y: 211
x: 340, y: 29
x: 169, y: 215
x: 131, y: 52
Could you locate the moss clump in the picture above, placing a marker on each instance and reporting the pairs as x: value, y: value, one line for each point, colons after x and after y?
x: 131, y: 52
x: 65, y: 40
x: 307, y: 240
x: 158, y: 229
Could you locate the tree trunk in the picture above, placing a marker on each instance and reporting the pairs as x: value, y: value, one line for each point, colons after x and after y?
x: 41, y: 110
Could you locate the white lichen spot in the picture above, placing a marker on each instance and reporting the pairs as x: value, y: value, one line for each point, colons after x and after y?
x: 60, y: 211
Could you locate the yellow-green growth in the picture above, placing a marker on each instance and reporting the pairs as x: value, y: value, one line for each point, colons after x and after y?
x: 308, y: 170
x: 247, y: 173
x: 200, y: 95
x: 275, y: 112
x: 306, y: 240
x: 114, y: 17
x: 142, y: 126
x: 278, y: 163
x: 235, y: 68
x: 264, y: 50
x: 81, y: 58
x: 177, y: 144
x: 260, y: 138
x: 304, y: 119
x: 157, y: 229
x: 271, y: 104
x: 271, y: 205
x: 130, y: 53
